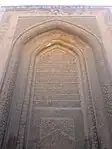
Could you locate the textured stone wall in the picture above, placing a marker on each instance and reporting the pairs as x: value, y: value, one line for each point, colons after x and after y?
x: 56, y: 82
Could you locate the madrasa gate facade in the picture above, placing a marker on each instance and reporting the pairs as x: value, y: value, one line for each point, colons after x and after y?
x: 55, y: 77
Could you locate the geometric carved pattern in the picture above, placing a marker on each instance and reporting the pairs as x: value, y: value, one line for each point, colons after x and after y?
x: 49, y: 125
x: 57, y: 140
x: 54, y: 91
x: 56, y: 95
x: 48, y: 121
x: 56, y: 98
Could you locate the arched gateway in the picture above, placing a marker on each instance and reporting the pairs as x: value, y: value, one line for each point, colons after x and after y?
x: 53, y: 83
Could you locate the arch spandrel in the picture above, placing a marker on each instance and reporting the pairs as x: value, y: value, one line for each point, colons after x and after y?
x: 65, y: 26
x: 28, y: 41
x: 56, y: 37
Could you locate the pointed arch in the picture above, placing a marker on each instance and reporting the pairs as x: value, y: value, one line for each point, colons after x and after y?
x: 9, y: 79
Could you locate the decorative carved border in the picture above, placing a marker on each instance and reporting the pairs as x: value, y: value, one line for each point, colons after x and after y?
x: 26, y: 36
x: 92, y: 132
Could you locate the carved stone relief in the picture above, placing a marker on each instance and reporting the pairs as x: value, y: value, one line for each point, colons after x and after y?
x: 56, y: 9
x: 50, y: 76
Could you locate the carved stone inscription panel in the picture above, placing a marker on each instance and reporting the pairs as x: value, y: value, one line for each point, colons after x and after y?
x: 57, y: 77
x: 56, y: 120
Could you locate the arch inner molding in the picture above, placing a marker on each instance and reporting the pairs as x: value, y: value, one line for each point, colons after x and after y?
x: 29, y: 113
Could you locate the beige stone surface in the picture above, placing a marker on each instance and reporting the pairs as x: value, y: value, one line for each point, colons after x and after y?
x: 55, y: 77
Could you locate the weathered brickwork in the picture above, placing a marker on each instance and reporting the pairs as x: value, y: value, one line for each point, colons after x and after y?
x: 56, y: 91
